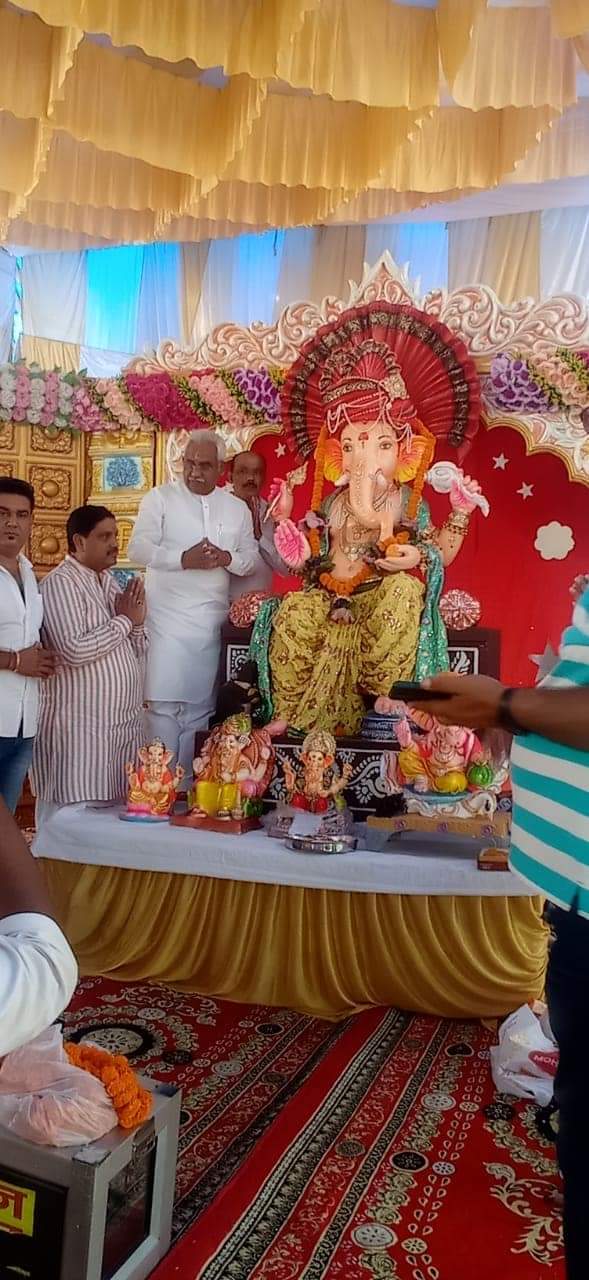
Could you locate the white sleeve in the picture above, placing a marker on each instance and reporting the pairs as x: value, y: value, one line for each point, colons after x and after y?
x: 38, y: 976
x: 244, y: 556
x: 146, y: 542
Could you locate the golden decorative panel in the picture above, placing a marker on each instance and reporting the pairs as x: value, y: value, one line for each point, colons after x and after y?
x: 53, y: 462
x: 125, y: 529
x: 7, y: 441
x: 107, y: 442
x: 48, y: 544
x: 53, y: 487
x: 121, y: 471
x: 52, y: 440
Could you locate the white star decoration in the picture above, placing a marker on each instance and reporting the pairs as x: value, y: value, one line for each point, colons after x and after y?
x: 544, y: 662
x: 280, y: 450
x: 500, y: 463
x: 526, y: 490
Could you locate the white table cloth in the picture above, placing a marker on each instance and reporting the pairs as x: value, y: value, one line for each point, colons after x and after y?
x: 411, y: 864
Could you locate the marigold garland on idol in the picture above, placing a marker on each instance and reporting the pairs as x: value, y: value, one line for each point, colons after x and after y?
x: 315, y: 817
x: 368, y: 398
x: 153, y: 788
x: 232, y: 773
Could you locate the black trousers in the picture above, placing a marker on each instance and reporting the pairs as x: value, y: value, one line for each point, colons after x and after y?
x: 568, y: 1004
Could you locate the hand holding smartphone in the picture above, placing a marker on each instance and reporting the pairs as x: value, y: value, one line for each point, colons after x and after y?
x: 411, y: 693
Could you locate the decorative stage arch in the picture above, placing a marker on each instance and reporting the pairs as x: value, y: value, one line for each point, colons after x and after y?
x: 533, y: 357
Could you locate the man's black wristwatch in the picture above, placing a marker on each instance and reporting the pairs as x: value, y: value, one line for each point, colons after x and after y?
x: 505, y: 718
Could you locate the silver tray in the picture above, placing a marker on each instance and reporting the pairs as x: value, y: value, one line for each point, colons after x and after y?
x: 311, y: 844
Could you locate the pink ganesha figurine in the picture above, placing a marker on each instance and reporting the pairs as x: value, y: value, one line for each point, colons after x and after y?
x: 152, y: 785
x: 444, y: 759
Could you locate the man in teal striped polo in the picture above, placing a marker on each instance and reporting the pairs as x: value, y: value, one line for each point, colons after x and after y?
x: 550, y: 849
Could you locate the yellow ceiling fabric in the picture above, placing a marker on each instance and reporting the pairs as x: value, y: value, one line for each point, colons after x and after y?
x: 126, y: 120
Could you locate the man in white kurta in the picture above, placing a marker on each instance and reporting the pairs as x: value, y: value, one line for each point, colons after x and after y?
x: 248, y: 472
x: 192, y: 537
x: 91, y: 710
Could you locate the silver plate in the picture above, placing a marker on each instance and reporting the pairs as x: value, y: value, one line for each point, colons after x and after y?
x: 310, y: 844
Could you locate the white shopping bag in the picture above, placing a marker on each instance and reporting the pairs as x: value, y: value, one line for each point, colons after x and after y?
x: 525, y: 1060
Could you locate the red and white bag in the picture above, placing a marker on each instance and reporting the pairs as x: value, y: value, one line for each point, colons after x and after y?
x: 524, y: 1062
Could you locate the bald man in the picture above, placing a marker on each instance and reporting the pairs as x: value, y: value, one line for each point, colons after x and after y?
x: 248, y: 473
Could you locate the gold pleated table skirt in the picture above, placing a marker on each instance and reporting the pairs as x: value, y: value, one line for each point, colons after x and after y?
x: 320, y: 951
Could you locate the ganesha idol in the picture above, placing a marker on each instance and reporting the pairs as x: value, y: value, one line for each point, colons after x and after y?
x: 315, y: 786
x: 369, y: 396
x: 153, y: 788
x: 441, y: 769
x: 232, y: 773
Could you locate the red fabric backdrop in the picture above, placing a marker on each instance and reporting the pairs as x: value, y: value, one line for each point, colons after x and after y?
x: 522, y: 595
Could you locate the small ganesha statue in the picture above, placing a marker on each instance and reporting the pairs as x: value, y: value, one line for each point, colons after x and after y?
x: 232, y: 772
x: 153, y: 787
x: 316, y: 786
x: 441, y: 769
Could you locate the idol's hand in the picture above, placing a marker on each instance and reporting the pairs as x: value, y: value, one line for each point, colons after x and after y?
x: 289, y: 776
x: 280, y: 501
x: 459, y: 494
x: 406, y: 557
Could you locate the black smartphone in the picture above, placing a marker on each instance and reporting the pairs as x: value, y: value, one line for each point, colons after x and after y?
x: 411, y: 693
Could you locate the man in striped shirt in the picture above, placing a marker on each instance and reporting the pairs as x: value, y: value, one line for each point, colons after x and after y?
x: 550, y: 849
x: 91, y: 712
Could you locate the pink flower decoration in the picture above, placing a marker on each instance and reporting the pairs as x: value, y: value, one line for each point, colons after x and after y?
x: 215, y: 393
x: 86, y: 414
x: 159, y: 399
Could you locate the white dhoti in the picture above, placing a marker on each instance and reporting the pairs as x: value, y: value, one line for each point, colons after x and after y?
x: 176, y: 724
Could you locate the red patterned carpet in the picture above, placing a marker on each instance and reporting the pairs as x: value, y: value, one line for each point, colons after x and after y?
x: 375, y: 1148
x: 237, y: 1067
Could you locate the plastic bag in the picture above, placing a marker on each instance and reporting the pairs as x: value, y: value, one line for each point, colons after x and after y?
x: 44, y: 1099
x: 525, y: 1060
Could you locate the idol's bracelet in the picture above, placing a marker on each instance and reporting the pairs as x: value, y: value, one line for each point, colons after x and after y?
x: 457, y: 522
x: 14, y: 660
x: 505, y: 717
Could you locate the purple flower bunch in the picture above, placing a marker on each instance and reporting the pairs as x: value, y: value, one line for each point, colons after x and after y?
x: 260, y: 392
x: 512, y: 387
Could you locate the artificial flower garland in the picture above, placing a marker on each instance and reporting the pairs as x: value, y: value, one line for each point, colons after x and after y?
x: 217, y: 398
x: 244, y: 398
x: 553, y: 383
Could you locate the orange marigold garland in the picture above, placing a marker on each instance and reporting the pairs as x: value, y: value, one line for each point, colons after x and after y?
x: 345, y: 586
x: 132, y: 1103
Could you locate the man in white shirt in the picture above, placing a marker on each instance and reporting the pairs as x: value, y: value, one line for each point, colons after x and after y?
x: 22, y: 660
x: 192, y: 537
x: 38, y: 971
x: 248, y: 473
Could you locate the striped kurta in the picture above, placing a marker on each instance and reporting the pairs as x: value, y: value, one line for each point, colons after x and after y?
x: 91, y: 710
x: 550, y: 831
